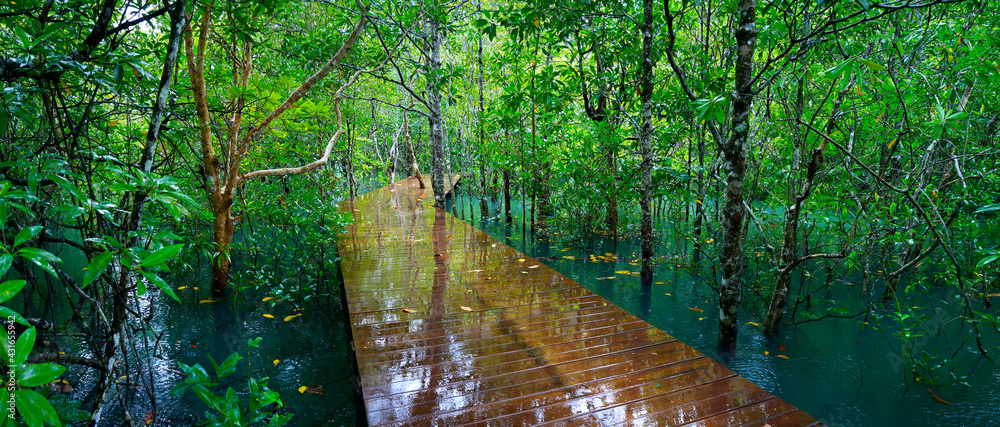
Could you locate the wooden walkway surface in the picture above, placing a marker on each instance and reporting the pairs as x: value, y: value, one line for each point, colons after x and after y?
x: 452, y: 327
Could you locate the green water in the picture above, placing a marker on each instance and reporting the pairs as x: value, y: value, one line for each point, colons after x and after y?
x: 843, y: 371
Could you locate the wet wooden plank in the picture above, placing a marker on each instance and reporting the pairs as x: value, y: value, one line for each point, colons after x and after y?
x: 452, y: 327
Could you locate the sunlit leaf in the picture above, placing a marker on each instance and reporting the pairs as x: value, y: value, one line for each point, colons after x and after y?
x: 465, y: 308
x: 10, y: 288
x: 96, y: 267
x: 409, y: 310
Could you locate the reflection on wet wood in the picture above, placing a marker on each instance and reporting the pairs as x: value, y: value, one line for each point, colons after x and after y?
x: 451, y: 327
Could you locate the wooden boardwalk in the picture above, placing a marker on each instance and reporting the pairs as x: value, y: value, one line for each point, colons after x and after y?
x: 452, y: 327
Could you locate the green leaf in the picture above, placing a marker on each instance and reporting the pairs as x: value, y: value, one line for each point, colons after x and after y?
x: 872, y: 65
x: 841, y: 69
x: 987, y: 260
x: 35, y: 375
x: 27, y: 234
x: 156, y: 280
x: 5, y: 261
x: 7, y: 313
x: 161, y: 255
x: 96, y: 267
x: 10, y: 288
x: 988, y: 208
x: 228, y: 366
x: 35, y: 408
x: 68, y: 186
x: 23, y: 346
x: 40, y: 257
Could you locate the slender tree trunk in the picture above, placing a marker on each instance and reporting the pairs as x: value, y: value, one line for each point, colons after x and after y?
x: 699, y: 204
x: 436, y: 121
x: 178, y: 19
x: 788, y: 259
x: 735, y: 162
x: 646, y: 142
x: 506, y: 196
x: 409, y: 145
x: 483, y: 205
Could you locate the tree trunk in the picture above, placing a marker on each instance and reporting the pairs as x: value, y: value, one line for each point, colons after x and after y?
x: 645, y: 142
x: 735, y: 161
x: 434, y: 102
x: 483, y: 205
x: 506, y: 196
x: 222, y: 236
x: 788, y: 259
x: 699, y: 205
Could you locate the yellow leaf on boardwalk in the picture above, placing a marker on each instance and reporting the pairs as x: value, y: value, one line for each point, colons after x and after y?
x: 520, y: 260
x: 535, y: 266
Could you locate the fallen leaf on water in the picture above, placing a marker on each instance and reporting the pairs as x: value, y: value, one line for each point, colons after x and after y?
x: 409, y: 310
x: 564, y: 250
x: 287, y: 318
x: 61, y: 385
x: 148, y: 418
x: 302, y: 389
x: 195, y: 288
x: 609, y: 254
x: 570, y: 257
x: 465, y: 308
x: 696, y: 309
x: 266, y: 299
x: 766, y: 352
x: 318, y: 389
x: 668, y: 294
x: 206, y: 301
x: 938, y: 398
x: 621, y: 272
x: 277, y: 361
x: 182, y: 288
x: 781, y: 347
x: 783, y: 356
x: 753, y: 323
x: 268, y: 315
x: 701, y: 318
x: 660, y: 283
x: 607, y: 278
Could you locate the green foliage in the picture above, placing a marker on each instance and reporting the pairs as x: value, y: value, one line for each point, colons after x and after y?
x: 262, y: 404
